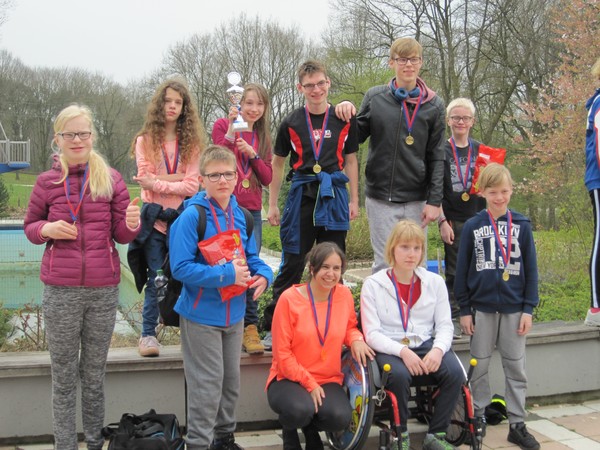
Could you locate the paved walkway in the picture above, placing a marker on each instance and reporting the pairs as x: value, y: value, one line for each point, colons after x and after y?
x: 556, y: 427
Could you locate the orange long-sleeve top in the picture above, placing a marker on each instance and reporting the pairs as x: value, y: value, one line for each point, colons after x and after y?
x: 297, y: 352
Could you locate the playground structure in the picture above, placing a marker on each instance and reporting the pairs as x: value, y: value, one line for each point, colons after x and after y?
x: 14, y: 155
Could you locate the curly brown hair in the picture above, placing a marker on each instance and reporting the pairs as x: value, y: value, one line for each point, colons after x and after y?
x: 190, y: 132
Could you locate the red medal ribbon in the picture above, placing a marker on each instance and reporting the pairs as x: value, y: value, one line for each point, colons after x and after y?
x: 505, y: 253
x: 74, y: 212
x: 245, y: 160
x: 316, y: 319
x: 229, y: 219
x: 411, y: 120
x: 316, y: 148
x: 403, y: 305
x: 172, y: 169
x: 464, y: 180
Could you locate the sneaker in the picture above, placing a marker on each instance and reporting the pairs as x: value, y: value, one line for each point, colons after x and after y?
x: 437, y: 441
x: 592, y: 319
x: 405, y: 442
x: 148, y: 346
x: 457, y: 330
x: 480, y: 426
x: 519, y: 435
x: 226, y: 442
x: 267, y: 341
x: 251, y: 341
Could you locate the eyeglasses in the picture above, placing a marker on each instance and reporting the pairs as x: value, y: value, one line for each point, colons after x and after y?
x: 68, y: 136
x: 216, y: 176
x: 404, y: 61
x: 310, y: 86
x: 457, y: 119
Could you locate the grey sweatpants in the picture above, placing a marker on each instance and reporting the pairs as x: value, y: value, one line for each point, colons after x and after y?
x: 211, y: 361
x: 79, y: 323
x: 500, y: 331
x: 382, y: 217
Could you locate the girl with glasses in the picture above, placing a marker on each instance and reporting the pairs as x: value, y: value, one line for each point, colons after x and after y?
x: 79, y: 208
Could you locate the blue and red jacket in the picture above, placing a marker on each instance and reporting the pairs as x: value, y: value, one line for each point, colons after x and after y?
x: 592, y: 142
x: 200, y: 300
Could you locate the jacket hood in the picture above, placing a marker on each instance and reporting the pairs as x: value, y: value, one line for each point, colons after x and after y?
x: 202, y: 199
x: 383, y: 280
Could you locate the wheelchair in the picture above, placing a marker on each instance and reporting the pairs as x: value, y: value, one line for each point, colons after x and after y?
x: 372, y: 404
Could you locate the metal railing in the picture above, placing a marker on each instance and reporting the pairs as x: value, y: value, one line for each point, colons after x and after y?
x: 13, y: 152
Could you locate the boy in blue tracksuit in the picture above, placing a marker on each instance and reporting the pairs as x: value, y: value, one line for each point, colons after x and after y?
x: 212, y: 329
x: 496, y: 286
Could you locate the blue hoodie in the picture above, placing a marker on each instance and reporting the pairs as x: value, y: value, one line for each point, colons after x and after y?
x: 200, y: 300
x: 478, y: 283
x: 592, y: 142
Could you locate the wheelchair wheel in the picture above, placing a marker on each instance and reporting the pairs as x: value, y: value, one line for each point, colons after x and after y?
x: 458, y: 431
x: 358, y: 383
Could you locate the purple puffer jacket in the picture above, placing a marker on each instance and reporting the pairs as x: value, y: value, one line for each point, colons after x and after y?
x: 92, y: 259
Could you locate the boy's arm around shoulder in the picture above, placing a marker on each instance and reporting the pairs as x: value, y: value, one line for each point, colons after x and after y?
x: 183, y: 248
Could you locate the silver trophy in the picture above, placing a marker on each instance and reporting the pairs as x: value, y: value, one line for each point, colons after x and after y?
x: 235, y: 93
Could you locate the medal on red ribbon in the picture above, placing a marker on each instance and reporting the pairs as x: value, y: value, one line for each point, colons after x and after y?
x: 321, y: 337
x: 316, y: 148
x: 74, y: 211
x: 171, y: 168
x: 410, y: 120
x: 505, y: 253
x: 245, y: 163
x: 403, y: 305
x: 464, y: 179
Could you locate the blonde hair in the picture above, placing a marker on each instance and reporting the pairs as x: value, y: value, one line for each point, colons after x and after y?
x: 596, y: 69
x: 101, y: 182
x: 460, y: 102
x: 404, y: 231
x: 405, y: 47
x: 214, y: 153
x: 493, y: 175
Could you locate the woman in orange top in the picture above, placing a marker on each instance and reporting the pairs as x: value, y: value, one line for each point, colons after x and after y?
x: 312, y: 322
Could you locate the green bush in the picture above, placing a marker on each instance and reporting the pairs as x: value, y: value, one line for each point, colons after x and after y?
x: 4, y: 198
x: 5, y: 326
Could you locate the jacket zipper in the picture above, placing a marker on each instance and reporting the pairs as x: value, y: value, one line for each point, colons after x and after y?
x: 395, y: 154
x: 110, y: 256
x: 198, y: 298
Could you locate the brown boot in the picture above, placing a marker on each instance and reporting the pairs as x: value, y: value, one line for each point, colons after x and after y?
x: 251, y: 341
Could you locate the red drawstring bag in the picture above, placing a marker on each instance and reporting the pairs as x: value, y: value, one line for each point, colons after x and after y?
x: 223, y: 248
x: 485, y: 156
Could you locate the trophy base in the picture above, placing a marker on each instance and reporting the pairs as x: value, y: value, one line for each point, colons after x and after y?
x: 240, y: 126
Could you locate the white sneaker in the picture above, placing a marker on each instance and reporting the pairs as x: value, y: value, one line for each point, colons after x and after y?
x: 592, y: 319
x: 267, y: 341
x: 148, y: 346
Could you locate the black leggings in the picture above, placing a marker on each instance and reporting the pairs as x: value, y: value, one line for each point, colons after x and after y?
x: 296, y: 409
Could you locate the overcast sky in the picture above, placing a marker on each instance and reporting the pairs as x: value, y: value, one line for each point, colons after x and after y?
x: 126, y: 39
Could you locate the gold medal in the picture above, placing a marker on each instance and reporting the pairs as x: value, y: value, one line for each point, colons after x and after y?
x: 465, y: 197
x: 246, y: 183
x: 323, y: 355
x: 409, y: 140
x: 505, y: 275
x: 317, y: 168
x: 405, y: 341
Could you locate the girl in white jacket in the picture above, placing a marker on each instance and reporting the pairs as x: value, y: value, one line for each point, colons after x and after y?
x: 406, y: 319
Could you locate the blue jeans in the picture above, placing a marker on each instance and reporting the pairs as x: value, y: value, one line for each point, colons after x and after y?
x: 251, y: 316
x: 155, y: 250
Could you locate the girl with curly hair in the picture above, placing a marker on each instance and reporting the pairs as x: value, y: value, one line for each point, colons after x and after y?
x: 167, y: 152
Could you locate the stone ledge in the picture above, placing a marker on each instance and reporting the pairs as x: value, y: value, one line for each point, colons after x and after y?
x: 127, y: 359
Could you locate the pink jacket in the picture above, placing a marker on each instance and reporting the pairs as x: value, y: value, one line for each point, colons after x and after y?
x: 92, y: 259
